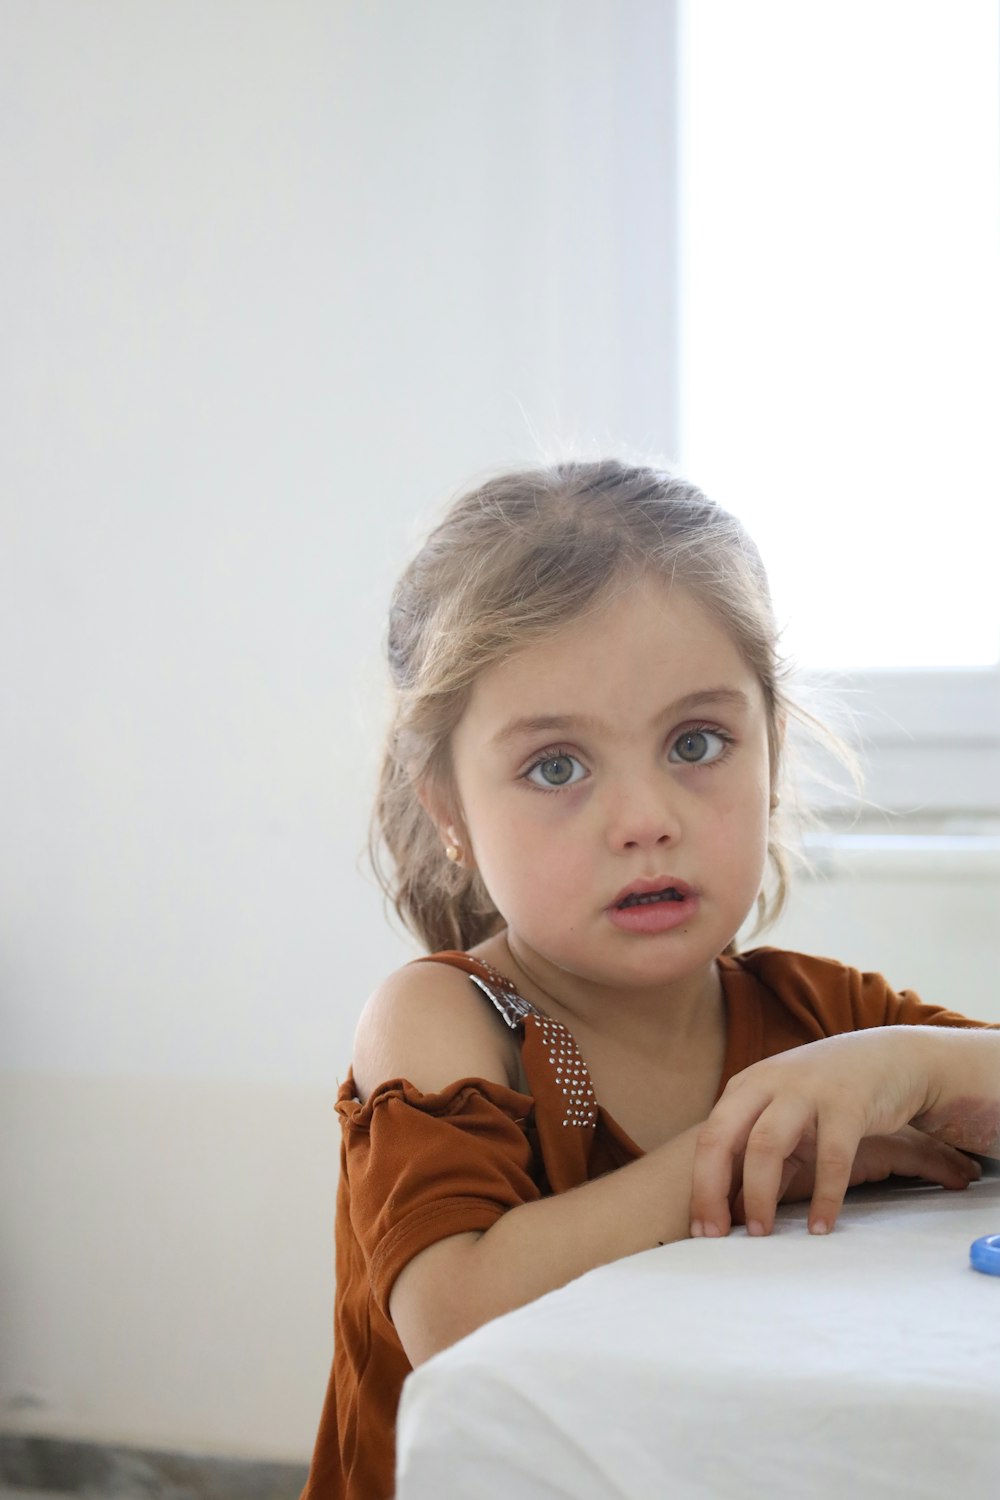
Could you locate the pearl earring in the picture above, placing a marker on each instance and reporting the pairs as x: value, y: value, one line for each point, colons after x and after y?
x: 453, y: 849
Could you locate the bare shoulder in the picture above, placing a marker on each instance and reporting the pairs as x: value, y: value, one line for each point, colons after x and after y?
x: 429, y: 1024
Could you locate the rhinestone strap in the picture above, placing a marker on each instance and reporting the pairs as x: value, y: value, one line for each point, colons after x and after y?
x: 511, y: 1005
x: 571, y: 1074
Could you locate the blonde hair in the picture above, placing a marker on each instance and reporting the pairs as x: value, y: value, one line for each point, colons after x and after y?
x: 513, y: 560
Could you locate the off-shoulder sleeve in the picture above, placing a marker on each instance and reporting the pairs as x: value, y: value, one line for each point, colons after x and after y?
x: 421, y: 1167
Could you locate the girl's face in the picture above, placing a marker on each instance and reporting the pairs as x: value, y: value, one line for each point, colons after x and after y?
x: 624, y: 757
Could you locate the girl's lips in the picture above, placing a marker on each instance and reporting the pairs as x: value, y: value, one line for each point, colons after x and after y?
x: 655, y: 916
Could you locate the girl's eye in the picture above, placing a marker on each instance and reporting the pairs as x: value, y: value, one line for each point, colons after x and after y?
x: 556, y: 771
x: 699, y: 747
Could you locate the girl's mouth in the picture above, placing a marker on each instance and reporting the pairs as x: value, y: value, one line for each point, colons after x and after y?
x: 670, y: 894
x: 652, y: 906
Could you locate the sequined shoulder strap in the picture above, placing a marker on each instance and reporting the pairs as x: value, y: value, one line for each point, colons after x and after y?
x: 497, y: 988
x: 551, y: 1053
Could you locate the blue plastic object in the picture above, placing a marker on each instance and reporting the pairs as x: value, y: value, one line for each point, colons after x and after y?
x: 985, y: 1255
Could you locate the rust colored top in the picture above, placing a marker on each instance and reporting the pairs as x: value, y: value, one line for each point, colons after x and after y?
x: 416, y: 1168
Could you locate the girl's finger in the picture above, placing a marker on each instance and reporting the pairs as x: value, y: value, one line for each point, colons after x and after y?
x: 772, y: 1142
x: 836, y: 1147
x: 918, y: 1156
x: 720, y: 1143
x: 711, y: 1182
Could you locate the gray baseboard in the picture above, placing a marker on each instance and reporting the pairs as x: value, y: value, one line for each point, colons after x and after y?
x: 102, y: 1471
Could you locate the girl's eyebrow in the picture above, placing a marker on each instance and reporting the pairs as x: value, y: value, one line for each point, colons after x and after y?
x: 563, y: 723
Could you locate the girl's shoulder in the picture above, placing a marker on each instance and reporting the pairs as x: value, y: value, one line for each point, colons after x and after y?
x: 428, y: 1023
x: 834, y: 997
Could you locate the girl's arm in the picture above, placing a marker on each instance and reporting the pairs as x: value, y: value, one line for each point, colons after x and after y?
x: 455, y: 1286
x: 421, y: 1026
x: 426, y: 1024
x: 816, y: 1103
x: 965, y: 1108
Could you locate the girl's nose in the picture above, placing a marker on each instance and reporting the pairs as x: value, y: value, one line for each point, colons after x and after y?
x: 643, y: 817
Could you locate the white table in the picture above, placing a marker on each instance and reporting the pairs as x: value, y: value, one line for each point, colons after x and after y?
x: 860, y: 1366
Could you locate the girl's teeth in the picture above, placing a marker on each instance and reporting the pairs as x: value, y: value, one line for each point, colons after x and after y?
x: 668, y: 895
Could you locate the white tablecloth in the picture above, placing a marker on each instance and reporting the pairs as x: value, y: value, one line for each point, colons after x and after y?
x: 861, y: 1364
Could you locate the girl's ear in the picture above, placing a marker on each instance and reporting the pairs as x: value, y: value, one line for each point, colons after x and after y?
x: 449, y: 825
x: 436, y: 807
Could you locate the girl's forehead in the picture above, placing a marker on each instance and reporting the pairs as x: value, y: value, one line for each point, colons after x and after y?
x: 646, y: 639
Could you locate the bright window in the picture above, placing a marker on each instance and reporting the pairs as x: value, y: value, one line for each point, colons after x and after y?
x: 841, y: 314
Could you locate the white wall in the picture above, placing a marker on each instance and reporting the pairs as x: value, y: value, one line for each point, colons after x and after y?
x: 275, y: 278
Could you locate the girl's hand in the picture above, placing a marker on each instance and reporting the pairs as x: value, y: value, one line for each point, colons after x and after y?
x: 907, y: 1153
x: 809, y: 1108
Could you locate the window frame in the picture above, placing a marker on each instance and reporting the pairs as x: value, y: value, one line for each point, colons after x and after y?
x: 929, y: 741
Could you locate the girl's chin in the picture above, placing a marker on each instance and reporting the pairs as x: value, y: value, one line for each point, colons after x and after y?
x: 616, y: 959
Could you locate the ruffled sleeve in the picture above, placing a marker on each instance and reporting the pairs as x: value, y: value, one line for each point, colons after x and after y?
x: 421, y: 1167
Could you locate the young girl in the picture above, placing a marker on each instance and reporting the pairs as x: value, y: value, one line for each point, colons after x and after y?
x: 579, y: 798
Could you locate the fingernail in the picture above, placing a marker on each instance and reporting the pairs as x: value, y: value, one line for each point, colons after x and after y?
x: 713, y: 1232
x: 755, y: 1227
x: 819, y: 1226
x: 697, y: 1229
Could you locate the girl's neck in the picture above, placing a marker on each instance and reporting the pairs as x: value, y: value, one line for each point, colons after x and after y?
x: 671, y: 1015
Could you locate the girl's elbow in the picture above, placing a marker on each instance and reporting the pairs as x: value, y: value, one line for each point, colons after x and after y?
x: 433, y: 1303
